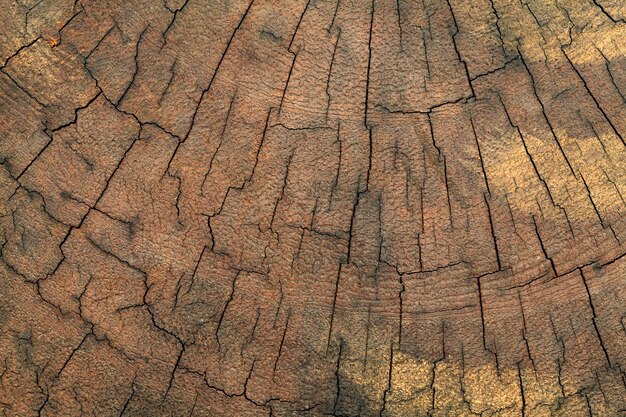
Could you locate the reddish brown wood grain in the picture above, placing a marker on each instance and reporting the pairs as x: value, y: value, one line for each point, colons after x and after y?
x: 309, y: 208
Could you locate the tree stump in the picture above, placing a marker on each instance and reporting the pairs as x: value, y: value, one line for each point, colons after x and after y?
x: 313, y: 208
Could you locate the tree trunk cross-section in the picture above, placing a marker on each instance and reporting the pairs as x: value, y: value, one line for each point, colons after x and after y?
x: 313, y: 208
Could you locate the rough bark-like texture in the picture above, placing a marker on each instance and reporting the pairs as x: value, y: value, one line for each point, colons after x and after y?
x: 309, y: 208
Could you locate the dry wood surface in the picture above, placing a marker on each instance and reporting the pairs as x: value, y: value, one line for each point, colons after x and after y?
x: 313, y: 208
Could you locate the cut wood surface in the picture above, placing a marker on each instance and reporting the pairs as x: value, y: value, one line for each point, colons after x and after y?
x: 313, y: 208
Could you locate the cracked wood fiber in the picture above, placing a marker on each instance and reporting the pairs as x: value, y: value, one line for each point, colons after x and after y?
x: 313, y: 208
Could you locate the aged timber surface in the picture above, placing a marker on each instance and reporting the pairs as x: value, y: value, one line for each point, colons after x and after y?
x: 313, y: 208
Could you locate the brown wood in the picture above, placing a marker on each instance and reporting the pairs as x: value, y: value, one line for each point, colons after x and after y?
x: 308, y: 208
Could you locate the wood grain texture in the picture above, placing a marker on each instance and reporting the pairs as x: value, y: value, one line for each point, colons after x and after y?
x: 313, y: 208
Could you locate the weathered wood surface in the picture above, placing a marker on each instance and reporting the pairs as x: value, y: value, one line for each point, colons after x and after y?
x: 277, y: 207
